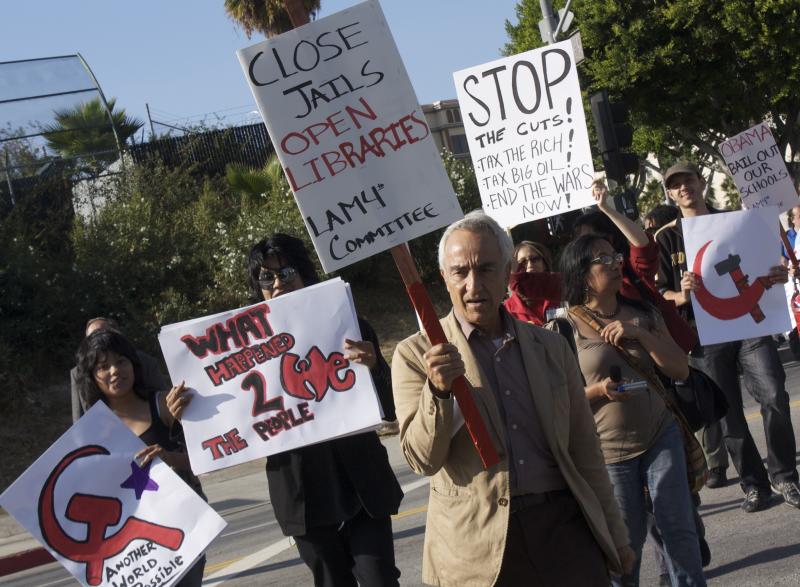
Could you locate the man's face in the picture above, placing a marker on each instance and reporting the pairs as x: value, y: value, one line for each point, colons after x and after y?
x: 476, y: 278
x: 686, y: 190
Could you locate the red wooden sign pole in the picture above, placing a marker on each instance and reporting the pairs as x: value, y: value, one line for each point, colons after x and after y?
x: 430, y: 322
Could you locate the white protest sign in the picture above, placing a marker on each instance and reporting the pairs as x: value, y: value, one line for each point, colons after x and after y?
x: 270, y: 377
x: 352, y: 139
x: 759, y: 170
x: 105, y: 519
x: 527, y: 134
x: 732, y: 253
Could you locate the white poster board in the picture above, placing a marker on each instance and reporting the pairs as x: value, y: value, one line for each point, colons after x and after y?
x: 527, y: 134
x: 105, y: 519
x: 350, y: 135
x: 733, y: 252
x: 270, y: 377
x: 759, y: 169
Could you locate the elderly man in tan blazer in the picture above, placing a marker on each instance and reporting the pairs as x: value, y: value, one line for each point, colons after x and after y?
x: 546, y: 514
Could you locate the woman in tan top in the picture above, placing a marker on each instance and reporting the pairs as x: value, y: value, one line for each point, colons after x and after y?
x: 639, y: 437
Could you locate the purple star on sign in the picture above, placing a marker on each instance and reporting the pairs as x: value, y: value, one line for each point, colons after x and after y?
x: 140, y: 480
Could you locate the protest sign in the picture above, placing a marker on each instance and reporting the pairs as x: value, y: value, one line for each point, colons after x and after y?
x: 527, y: 134
x: 759, y: 170
x: 732, y: 253
x: 350, y: 135
x: 270, y: 377
x: 105, y: 519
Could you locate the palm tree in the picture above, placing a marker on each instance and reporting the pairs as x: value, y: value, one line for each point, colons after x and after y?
x: 256, y: 182
x: 84, y: 133
x: 270, y: 17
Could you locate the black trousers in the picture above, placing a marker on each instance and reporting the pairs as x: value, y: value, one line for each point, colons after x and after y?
x: 360, y: 552
x: 551, y: 544
x: 764, y: 378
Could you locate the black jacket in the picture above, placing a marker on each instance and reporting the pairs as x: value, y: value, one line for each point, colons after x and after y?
x: 329, y: 482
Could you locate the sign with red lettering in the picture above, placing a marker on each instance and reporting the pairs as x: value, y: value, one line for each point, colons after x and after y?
x: 527, y: 134
x: 759, y: 169
x: 107, y: 520
x: 732, y: 253
x: 270, y: 377
x: 350, y: 135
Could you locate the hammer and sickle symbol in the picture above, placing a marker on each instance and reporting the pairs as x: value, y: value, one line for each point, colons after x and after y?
x: 98, y: 513
x: 736, y: 307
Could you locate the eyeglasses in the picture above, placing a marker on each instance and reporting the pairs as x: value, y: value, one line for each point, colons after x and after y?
x: 530, y: 260
x: 606, y: 259
x: 268, y: 277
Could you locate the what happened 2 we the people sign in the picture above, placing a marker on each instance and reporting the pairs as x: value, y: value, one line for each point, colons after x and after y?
x: 527, y: 134
x: 270, y: 377
x: 350, y: 135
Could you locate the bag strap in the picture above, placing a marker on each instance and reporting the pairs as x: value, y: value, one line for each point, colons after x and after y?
x: 586, y: 316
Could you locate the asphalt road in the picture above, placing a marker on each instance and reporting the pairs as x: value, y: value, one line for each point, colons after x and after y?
x: 747, y: 549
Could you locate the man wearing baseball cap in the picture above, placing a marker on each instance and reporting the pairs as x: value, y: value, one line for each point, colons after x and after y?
x: 758, y: 358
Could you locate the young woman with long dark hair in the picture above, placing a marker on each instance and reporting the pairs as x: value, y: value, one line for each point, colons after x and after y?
x: 621, y: 339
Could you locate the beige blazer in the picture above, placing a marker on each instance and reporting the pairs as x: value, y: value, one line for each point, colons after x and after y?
x: 468, y: 507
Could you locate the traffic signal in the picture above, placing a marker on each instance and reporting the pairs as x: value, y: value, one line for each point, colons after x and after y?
x: 613, y: 135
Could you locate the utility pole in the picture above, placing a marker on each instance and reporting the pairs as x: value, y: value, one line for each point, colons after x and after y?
x: 150, y: 120
x: 548, y: 24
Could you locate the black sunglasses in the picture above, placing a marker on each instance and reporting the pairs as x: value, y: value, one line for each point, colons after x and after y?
x: 268, y: 277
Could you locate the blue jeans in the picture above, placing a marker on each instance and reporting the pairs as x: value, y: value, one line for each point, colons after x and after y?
x: 764, y: 378
x: 662, y: 469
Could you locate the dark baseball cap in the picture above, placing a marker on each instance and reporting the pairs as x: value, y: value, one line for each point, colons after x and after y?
x: 681, y: 167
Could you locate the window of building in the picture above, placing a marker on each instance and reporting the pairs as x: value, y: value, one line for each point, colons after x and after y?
x: 458, y: 144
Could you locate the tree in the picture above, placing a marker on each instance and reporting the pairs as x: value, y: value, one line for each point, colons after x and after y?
x: 270, y: 17
x: 84, y: 132
x: 693, y: 72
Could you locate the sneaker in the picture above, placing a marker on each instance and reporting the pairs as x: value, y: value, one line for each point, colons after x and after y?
x: 755, y: 500
x: 389, y: 428
x: 789, y: 491
x: 717, y: 477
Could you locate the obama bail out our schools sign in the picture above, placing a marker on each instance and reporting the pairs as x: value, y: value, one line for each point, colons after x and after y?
x: 527, y: 134
x: 350, y: 135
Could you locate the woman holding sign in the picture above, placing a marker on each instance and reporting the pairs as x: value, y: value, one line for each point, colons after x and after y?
x: 335, y: 498
x: 623, y: 345
x: 109, y: 371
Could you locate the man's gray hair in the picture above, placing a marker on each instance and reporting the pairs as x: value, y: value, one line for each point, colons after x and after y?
x: 479, y: 221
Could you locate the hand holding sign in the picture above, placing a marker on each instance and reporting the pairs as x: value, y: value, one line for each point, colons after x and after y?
x: 724, y: 250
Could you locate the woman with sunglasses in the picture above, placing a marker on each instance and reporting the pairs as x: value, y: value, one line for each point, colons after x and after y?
x: 624, y: 343
x: 335, y: 498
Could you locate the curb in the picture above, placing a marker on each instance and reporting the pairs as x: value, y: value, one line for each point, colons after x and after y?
x: 21, y: 561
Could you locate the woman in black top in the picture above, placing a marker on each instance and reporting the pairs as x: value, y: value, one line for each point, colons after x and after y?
x: 335, y: 498
x: 108, y: 370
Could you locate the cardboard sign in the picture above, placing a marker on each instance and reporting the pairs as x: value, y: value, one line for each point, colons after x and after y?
x: 270, y: 377
x: 732, y: 252
x: 527, y: 134
x: 350, y: 135
x: 105, y: 519
x: 759, y: 170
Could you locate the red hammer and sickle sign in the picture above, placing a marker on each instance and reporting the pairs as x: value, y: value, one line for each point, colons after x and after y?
x: 730, y: 308
x: 98, y: 513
